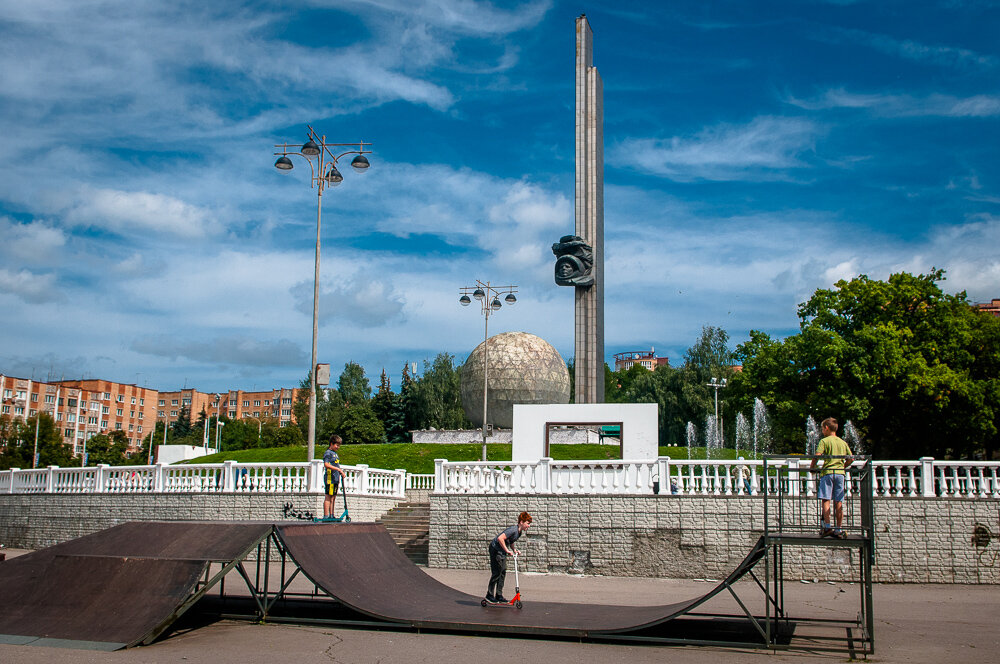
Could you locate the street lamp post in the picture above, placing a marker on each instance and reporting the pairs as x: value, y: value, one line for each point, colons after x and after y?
x: 489, y: 297
x: 717, y: 384
x: 218, y: 431
x: 260, y: 426
x: 324, y: 174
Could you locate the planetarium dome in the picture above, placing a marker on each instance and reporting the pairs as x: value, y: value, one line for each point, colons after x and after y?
x: 523, y: 368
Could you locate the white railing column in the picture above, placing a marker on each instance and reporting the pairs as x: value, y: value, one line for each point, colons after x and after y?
x: 316, y: 476
x: 13, y: 473
x: 439, y: 485
x: 403, y: 480
x: 927, y: 477
x: 362, y: 487
x: 793, y: 477
x: 158, y: 478
x: 544, y: 475
x: 50, y: 479
x: 664, y: 472
x: 229, y: 476
x: 101, y: 477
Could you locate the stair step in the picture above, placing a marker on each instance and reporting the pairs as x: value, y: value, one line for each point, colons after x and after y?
x: 409, y: 525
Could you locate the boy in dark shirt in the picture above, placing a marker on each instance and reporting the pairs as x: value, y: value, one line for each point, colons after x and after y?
x: 332, y: 475
x: 502, y: 546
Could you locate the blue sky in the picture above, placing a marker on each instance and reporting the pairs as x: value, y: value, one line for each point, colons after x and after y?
x: 755, y: 151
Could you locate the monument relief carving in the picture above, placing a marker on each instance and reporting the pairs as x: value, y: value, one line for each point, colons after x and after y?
x: 574, y: 261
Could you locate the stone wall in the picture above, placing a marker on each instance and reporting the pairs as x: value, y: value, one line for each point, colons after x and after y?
x: 917, y: 540
x: 33, y: 521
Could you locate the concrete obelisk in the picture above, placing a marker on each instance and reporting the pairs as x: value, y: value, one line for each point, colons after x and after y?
x: 589, y: 359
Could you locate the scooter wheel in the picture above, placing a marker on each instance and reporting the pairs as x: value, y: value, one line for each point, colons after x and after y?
x: 517, y: 604
x: 347, y: 519
x: 483, y: 602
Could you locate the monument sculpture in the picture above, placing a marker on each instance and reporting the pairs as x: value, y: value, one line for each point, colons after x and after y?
x: 574, y: 261
x: 580, y: 257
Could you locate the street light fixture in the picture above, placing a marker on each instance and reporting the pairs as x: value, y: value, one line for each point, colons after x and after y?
x: 482, y: 292
x: 717, y: 384
x: 324, y: 174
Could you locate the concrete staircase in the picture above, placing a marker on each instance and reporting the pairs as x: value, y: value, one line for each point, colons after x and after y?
x: 410, y: 526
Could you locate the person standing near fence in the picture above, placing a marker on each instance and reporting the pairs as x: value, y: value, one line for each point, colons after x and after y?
x: 831, y: 477
x: 332, y: 476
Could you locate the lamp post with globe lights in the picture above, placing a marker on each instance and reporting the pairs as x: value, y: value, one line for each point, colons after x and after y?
x: 324, y: 174
x: 489, y: 297
x: 716, y: 384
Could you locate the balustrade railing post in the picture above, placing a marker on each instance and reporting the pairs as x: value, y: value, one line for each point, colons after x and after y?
x: 362, y: 487
x: 13, y: 474
x: 101, y: 477
x: 664, y: 473
x: 927, y: 489
x: 50, y: 479
x: 159, y: 479
x: 403, y: 480
x: 229, y: 476
x: 793, y: 477
x: 316, y: 476
x: 545, y: 475
x: 439, y: 485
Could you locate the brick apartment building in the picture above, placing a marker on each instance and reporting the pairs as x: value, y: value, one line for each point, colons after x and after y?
x: 643, y: 358
x: 82, y: 408
x: 236, y: 404
x: 992, y: 307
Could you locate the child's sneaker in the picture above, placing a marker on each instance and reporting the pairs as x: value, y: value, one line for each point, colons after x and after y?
x: 840, y: 534
x: 827, y: 532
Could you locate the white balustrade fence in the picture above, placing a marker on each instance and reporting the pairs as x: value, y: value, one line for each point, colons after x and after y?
x: 903, y: 479
x: 227, y: 477
x: 925, y: 478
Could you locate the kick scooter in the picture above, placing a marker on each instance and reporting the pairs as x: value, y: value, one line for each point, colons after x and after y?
x: 516, y: 600
x: 344, y: 517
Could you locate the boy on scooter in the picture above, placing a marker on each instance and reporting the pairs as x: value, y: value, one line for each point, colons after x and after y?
x: 501, y: 547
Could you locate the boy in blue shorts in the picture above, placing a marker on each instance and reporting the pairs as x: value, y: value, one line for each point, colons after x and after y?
x: 332, y: 475
x: 831, y: 477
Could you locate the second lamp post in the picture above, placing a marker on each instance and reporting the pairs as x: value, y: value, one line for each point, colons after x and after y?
x: 324, y: 174
x: 489, y: 296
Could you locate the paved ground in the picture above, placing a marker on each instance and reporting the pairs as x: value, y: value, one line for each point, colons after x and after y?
x: 914, y: 623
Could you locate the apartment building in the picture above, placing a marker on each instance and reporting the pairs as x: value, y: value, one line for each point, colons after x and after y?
x: 643, y: 358
x: 116, y: 407
x: 82, y: 408
x: 235, y: 404
x: 991, y: 307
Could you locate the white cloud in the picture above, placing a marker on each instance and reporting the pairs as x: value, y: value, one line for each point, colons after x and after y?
x: 762, y: 149
x: 138, y: 213
x: 356, y: 301
x: 898, y: 105
x: 461, y: 16
x: 34, y: 240
x: 30, y: 287
x: 937, y: 54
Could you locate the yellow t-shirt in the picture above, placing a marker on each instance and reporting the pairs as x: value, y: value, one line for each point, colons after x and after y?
x: 833, y: 446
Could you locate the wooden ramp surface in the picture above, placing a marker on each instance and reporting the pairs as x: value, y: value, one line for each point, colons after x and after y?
x: 117, y: 587
x: 361, y: 566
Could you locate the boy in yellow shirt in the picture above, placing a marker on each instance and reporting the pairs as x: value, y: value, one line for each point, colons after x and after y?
x: 831, y: 477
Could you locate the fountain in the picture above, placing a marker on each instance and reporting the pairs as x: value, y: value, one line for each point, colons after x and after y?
x: 852, y: 438
x: 812, y: 436
x: 742, y: 433
x: 761, y: 429
x: 692, y: 436
x: 712, y: 441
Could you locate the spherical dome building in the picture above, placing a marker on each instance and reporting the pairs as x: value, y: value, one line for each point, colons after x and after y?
x: 523, y: 368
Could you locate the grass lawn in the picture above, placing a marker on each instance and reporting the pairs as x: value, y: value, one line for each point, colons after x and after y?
x: 420, y: 458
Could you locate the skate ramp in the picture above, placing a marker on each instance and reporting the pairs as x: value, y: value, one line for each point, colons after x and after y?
x: 361, y: 566
x: 118, y: 587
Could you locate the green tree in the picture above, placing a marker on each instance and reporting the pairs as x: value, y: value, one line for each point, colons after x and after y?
x: 386, y: 406
x: 109, y: 448
x: 279, y: 436
x: 436, y: 399
x: 353, y: 385
x: 182, y: 425
x: 360, y: 426
x: 914, y: 368
x: 52, y: 451
x: 15, y: 450
x: 408, y: 402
